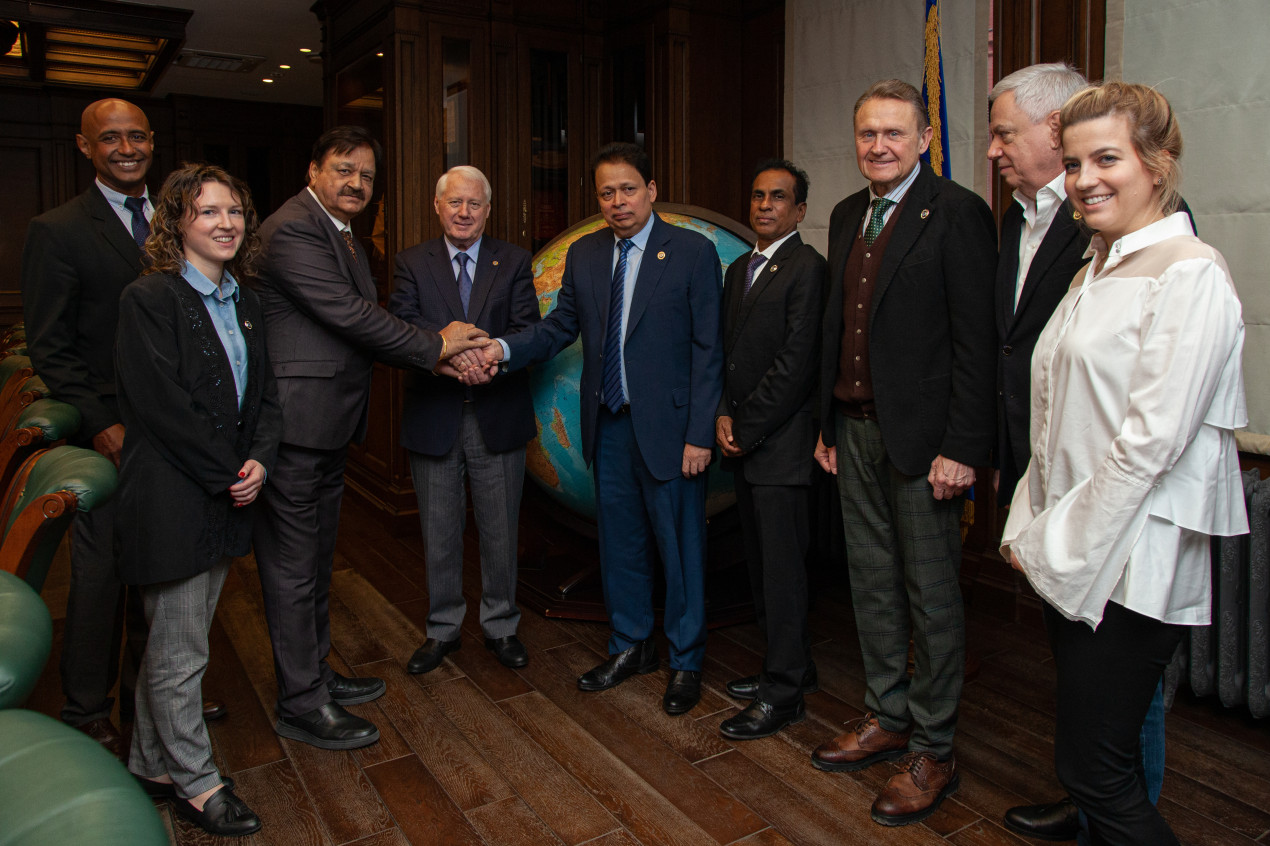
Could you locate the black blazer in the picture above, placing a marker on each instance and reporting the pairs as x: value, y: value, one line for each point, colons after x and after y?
x: 187, y: 438
x: 771, y: 350
x: 326, y: 328
x: 1056, y: 263
x: 77, y: 260
x: 503, y: 301
x: 931, y: 334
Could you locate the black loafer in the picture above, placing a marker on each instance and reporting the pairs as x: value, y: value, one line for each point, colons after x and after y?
x: 683, y: 692
x: 429, y: 656
x: 638, y: 659
x: 223, y: 814
x: 1057, y: 822
x: 213, y: 709
x: 329, y: 727
x: 762, y: 719
x: 509, y: 651
x: 746, y: 687
x: 166, y: 789
x: 348, y: 691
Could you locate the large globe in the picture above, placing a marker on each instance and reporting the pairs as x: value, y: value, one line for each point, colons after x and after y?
x: 554, y: 458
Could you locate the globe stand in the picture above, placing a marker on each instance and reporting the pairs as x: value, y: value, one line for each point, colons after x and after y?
x: 560, y: 566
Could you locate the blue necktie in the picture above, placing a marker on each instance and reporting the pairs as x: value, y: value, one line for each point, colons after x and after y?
x: 613, y: 397
x: 758, y: 259
x: 140, y: 226
x: 465, y: 281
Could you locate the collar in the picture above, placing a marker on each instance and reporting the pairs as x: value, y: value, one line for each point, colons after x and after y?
x: 1052, y: 195
x: 472, y: 252
x: 198, y: 280
x: 1170, y: 227
x: 115, y: 198
x: 774, y: 246
x: 897, y: 193
x: 340, y: 225
x: 640, y: 238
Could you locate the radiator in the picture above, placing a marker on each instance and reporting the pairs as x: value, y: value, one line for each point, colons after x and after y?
x: 1231, y: 657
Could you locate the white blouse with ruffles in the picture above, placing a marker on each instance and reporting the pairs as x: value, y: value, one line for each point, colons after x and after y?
x: 1137, y: 386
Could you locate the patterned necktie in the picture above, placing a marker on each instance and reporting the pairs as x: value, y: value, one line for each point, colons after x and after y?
x: 349, y: 242
x: 465, y: 281
x: 613, y: 397
x: 140, y: 226
x: 755, y: 262
x: 876, y: 221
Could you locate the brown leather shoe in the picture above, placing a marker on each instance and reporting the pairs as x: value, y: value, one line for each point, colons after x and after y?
x: 213, y: 709
x: 862, y: 745
x: 104, y: 732
x: 915, y: 793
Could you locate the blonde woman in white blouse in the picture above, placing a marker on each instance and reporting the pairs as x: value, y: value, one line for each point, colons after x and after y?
x: 1137, y: 386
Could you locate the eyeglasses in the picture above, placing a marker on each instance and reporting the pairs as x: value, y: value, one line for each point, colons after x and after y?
x: 627, y: 191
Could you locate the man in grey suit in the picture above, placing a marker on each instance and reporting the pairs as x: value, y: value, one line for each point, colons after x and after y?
x: 772, y: 301
x: 453, y: 431
x: 325, y: 331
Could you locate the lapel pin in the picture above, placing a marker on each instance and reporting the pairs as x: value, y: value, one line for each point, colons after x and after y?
x: 772, y: 269
x: 247, y: 324
x: 496, y: 264
x: 661, y: 255
x: 925, y: 213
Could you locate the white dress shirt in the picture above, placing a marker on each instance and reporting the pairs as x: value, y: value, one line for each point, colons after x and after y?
x: 1038, y: 214
x: 1137, y: 386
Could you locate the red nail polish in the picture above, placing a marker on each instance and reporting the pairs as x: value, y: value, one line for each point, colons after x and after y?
x: 242, y: 474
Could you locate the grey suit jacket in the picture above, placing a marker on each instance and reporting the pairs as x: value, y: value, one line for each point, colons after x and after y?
x: 325, y: 328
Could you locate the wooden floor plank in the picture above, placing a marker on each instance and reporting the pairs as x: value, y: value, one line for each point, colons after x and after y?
x: 510, y: 823
x: 287, y: 813
x: 554, y: 795
x: 244, y: 737
x: 420, y: 805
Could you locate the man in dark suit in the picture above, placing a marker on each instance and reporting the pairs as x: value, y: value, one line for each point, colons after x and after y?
x: 772, y: 302
x: 325, y: 331
x: 479, y: 432
x: 908, y: 413
x: 77, y: 260
x: 644, y: 295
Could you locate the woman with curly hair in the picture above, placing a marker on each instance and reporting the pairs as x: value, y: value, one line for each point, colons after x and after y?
x: 200, y: 409
x: 1137, y: 388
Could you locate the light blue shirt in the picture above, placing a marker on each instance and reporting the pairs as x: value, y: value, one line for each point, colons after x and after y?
x: 116, y: 202
x: 473, y: 252
x: 894, y: 195
x: 220, y: 301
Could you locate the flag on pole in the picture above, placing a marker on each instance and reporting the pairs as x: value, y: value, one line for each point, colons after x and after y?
x: 933, y: 92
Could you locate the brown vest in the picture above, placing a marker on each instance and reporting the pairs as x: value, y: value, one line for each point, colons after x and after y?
x: 853, y: 389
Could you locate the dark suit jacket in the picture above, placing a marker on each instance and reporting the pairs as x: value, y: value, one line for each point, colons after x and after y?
x: 187, y: 438
x: 673, y: 350
x: 931, y: 335
x: 1057, y: 260
x: 771, y: 349
x: 503, y: 301
x: 77, y: 260
x: 326, y: 327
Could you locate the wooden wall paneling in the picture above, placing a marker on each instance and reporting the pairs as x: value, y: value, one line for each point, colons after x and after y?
x: 669, y: 104
x: 508, y: 219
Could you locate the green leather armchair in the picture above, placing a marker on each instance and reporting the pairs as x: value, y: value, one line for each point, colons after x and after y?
x: 26, y: 636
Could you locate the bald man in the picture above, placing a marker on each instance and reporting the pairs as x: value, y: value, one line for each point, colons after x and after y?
x: 78, y: 258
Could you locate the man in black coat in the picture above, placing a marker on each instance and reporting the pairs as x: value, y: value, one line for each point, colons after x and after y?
x: 772, y: 302
x: 478, y: 432
x: 77, y: 260
x: 907, y: 414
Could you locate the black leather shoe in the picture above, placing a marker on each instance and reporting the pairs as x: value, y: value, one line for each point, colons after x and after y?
x: 166, y: 789
x: 762, y: 719
x: 213, y: 709
x: 429, y: 656
x: 348, y: 691
x: 746, y: 687
x: 683, y: 692
x: 509, y: 651
x: 640, y: 658
x: 1058, y: 821
x: 329, y: 727
x: 223, y: 814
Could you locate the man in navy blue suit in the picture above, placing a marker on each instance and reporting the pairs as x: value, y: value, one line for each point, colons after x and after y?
x: 645, y: 297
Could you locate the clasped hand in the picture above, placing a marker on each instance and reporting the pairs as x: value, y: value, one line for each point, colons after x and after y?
x: 475, y: 360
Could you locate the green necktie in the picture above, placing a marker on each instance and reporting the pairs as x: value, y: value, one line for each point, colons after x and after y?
x: 876, y: 219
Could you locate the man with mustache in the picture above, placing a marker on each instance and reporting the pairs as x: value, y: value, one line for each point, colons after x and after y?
x: 77, y: 260
x: 325, y: 331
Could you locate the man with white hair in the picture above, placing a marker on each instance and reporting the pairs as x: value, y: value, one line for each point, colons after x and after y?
x: 453, y: 431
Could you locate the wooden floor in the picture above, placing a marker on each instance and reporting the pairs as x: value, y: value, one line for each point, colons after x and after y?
x: 474, y: 753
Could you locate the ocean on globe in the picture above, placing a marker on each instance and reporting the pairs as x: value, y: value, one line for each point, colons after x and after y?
x: 554, y: 458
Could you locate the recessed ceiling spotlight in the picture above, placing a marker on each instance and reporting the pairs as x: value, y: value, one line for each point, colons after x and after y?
x: 305, y: 50
x: 266, y: 79
x: 284, y: 67
x: 380, y: 55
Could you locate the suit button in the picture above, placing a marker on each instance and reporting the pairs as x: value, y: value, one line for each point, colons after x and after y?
x: 732, y: 366
x: 734, y: 403
x: 1007, y: 350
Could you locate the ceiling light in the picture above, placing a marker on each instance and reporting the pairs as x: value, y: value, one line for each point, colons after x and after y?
x: 266, y: 79
x: 305, y: 50
x: 284, y: 67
